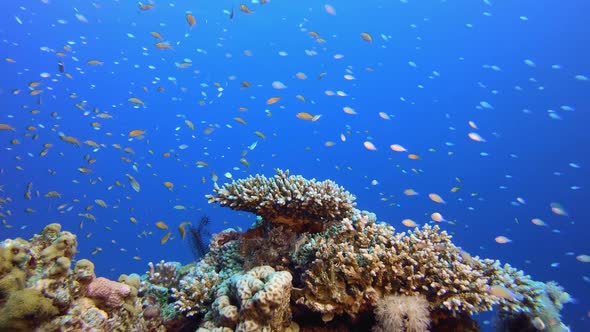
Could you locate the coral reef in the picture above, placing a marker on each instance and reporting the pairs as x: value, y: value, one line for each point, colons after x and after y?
x: 301, y: 204
x: 312, y: 262
x: 342, y: 268
x: 349, y: 267
x: 40, y: 291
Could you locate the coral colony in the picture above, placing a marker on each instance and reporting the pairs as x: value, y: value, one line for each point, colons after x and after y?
x: 311, y: 262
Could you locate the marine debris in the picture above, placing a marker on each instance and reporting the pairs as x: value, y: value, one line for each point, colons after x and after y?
x: 312, y: 262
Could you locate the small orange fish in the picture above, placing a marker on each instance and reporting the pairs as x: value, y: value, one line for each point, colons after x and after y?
x: 182, y: 229
x: 476, y: 137
x: 169, y: 185
x: 94, y: 62
x: 397, y: 148
x: 190, y: 19
x: 558, y: 209
x: 145, y: 7
x: 505, y: 293
x: 136, y: 101
x: 410, y: 192
x: 156, y: 35
x: 163, y: 45
x: 502, y: 239
x: 136, y: 132
x: 6, y: 127
x: 436, y: 198
x: 366, y: 37
x: 349, y: 110
x: 245, y: 9
x: 272, y: 100
x: 304, y: 116
x: 165, y: 238
x: 409, y: 223
x: 436, y: 216
x: 161, y: 225
x: 369, y: 146
x: 84, y: 170
x: 240, y: 120
x: 101, y: 203
x: 70, y: 139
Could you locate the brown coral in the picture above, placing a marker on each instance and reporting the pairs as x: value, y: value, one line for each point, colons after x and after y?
x: 38, y: 289
x: 301, y: 204
x: 349, y: 267
x: 25, y: 309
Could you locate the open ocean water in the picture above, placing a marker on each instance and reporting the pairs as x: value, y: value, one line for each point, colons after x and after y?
x: 484, y: 103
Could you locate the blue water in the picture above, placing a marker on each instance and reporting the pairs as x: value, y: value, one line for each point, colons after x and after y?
x: 465, y: 54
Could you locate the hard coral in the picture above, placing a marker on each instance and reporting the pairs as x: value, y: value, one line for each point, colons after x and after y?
x: 111, y: 293
x: 38, y: 289
x: 63, y: 246
x: 298, y: 203
x: 196, y: 289
x: 164, y: 273
x: 350, y: 266
x: 84, y: 271
x: 25, y: 309
x: 257, y: 300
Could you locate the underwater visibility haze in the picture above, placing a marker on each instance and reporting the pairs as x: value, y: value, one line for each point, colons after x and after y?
x: 343, y: 143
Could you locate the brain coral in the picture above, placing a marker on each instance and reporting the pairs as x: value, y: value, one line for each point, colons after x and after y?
x: 301, y: 204
x: 257, y: 300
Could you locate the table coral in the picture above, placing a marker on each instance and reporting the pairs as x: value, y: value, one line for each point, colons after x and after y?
x: 301, y: 204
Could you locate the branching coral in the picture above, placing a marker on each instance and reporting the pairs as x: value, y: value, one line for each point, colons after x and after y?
x: 164, y: 273
x: 350, y: 266
x: 196, y: 289
x: 301, y: 204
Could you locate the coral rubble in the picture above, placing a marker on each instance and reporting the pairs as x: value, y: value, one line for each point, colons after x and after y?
x: 312, y: 262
